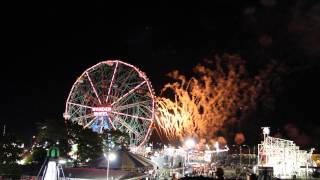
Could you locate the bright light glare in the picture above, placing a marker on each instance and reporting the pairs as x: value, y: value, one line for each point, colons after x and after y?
x: 170, y: 151
x: 266, y: 130
x: 22, y: 161
x: 148, y: 149
x: 190, y: 143
x: 112, y: 156
x: 216, y: 145
x: 62, y: 161
x: 207, y: 146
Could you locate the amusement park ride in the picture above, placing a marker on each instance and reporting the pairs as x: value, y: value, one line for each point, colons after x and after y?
x: 113, y: 95
x: 283, y: 156
x: 51, y: 168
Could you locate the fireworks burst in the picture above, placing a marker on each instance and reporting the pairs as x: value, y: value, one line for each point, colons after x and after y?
x: 203, y: 104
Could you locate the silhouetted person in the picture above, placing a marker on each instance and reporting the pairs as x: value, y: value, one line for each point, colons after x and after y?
x: 253, y: 177
x: 316, y: 174
x: 264, y: 175
x: 220, y: 173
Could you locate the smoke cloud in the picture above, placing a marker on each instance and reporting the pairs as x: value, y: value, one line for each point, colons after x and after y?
x: 239, y: 138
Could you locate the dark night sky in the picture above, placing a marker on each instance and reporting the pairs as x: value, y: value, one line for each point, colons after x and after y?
x: 48, y: 45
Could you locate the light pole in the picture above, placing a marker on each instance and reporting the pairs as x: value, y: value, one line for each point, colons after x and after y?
x: 110, y: 157
x: 240, y: 153
x: 249, y: 152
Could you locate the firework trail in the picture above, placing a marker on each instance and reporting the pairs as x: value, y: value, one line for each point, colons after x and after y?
x: 202, y: 105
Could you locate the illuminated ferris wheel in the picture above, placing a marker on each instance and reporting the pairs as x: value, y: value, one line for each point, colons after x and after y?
x: 113, y: 95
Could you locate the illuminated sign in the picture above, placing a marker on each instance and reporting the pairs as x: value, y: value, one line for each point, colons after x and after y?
x: 101, y: 111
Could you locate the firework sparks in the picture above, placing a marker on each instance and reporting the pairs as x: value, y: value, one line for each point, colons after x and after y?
x: 201, y: 106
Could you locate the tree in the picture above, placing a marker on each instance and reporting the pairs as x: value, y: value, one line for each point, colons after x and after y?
x: 50, y: 132
x: 90, y: 146
x: 54, y: 132
x: 64, y: 135
x: 38, y: 155
x: 11, y: 149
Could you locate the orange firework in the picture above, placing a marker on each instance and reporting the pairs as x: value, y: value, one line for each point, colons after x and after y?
x: 203, y: 104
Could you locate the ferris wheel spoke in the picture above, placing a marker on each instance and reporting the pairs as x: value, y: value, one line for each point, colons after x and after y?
x: 80, y: 105
x: 129, y: 99
x: 129, y: 127
x: 82, y: 94
x: 89, y: 123
x: 111, y: 118
x: 112, y: 79
x: 144, y: 111
x: 148, y: 108
x: 132, y: 116
x: 126, y: 79
x: 125, y: 101
x: 127, y: 106
x: 83, y: 117
x: 123, y: 82
x: 92, y: 86
x: 128, y: 93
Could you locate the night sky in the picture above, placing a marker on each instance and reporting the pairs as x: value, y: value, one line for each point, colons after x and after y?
x: 47, y: 45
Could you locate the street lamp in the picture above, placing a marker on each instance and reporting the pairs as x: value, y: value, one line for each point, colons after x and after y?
x: 110, y: 157
x: 265, y: 131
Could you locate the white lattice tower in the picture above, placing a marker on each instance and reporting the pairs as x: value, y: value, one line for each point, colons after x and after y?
x: 283, y: 155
